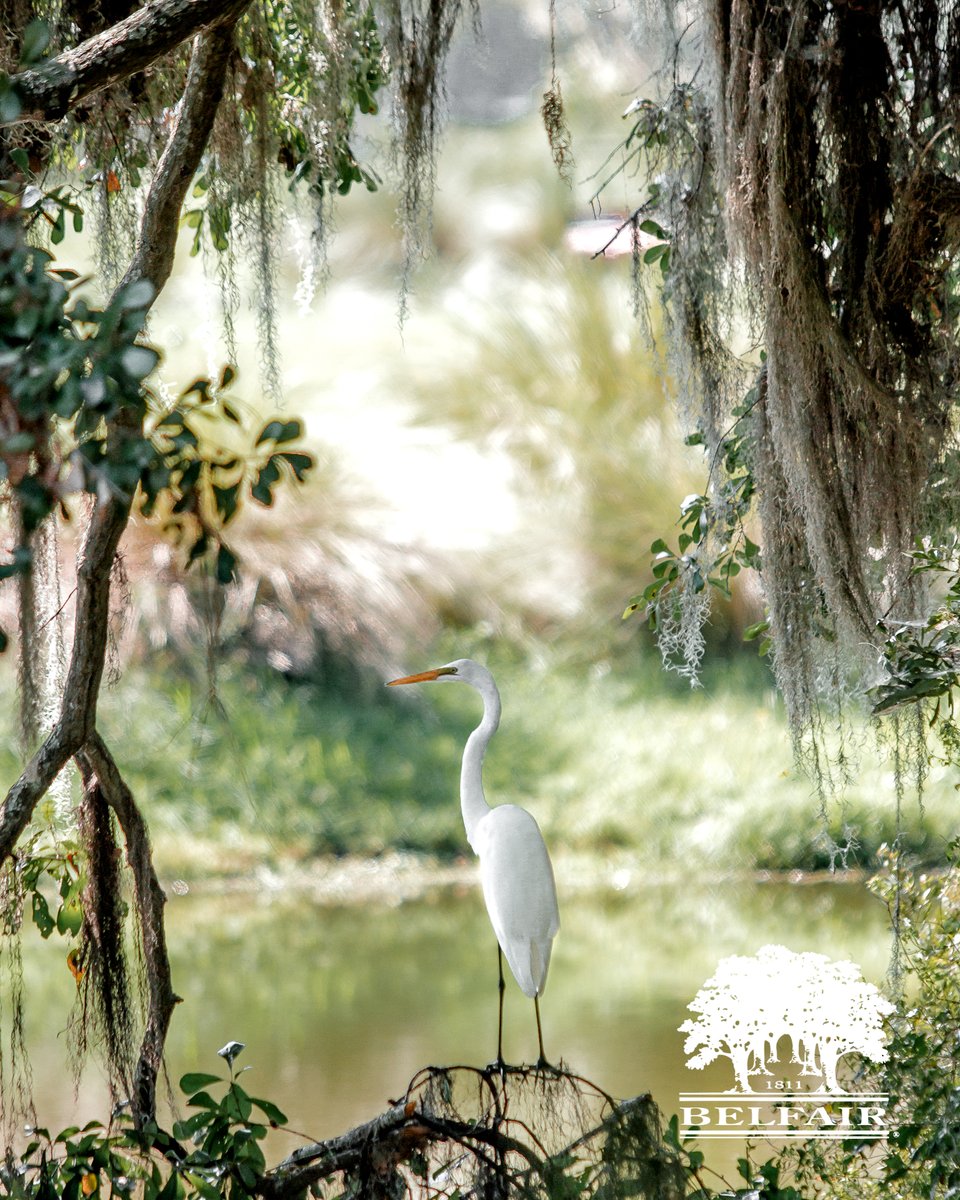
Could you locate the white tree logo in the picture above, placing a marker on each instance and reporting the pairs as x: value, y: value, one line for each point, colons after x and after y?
x: 825, y: 1008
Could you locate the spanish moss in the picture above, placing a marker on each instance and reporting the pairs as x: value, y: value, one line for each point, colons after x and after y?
x: 804, y: 183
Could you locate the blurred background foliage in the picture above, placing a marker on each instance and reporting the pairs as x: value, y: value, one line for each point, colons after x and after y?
x: 489, y: 482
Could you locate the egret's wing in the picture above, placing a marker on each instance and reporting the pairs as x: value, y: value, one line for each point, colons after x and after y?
x: 519, y: 891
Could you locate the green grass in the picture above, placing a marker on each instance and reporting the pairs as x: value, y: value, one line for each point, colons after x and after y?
x: 629, y: 769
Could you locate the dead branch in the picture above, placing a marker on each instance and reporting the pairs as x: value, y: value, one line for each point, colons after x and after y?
x: 309, y: 1164
x: 378, y: 1147
x: 384, y: 1143
x: 47, y: 93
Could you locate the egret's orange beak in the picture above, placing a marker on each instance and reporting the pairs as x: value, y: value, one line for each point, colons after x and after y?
x: 423, y: 677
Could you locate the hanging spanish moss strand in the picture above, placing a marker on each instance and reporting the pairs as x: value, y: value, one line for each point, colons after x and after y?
x: 859, y: 368
x: 108, y: 1015
x: 810, y: 194
x: 420, y: 33
x: 552, y: 112
x: 16, y: 1082
x: 41, y: 658
x: 29, y: 674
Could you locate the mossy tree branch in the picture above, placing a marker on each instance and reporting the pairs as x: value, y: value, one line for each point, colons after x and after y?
x: 74, y: 733
x: 157, y: 237
x: 416, y: 1128
x: 49, y: 92
x: 153, y: 260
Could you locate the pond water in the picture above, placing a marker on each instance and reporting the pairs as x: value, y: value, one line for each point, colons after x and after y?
x: 339, y: 1006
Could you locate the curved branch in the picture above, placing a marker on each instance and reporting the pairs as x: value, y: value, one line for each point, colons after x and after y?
x: 309, y: 1164
x: 157, y: 238
x: 78, y: 713
x: 630, y: 1129
x: 390, y: 1138
x: 153, y: 260
x: 47, y: 93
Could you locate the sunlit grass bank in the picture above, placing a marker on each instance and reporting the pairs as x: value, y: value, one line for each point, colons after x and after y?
x: 647, y: 776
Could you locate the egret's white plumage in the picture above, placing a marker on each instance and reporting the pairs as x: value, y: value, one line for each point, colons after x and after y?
x: 519, y: 892
x: 515, y: 870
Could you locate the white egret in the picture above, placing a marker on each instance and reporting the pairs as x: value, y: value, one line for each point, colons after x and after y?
x: 515, y: 870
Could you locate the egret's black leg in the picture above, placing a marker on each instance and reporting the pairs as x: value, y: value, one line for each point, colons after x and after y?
x: 503, y: 988
x: 542, y: 1062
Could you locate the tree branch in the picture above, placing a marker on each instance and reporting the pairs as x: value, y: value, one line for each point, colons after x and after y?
x: 153, y: 260
x: 309, y: 1164
x: 79, y: 709
x: 47, y: 93
x: 157, y: 238
x: 384, y: 1143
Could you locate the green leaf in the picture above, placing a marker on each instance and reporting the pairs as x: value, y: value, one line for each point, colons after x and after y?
x: 198, y: 550
x: 139, y: 361
x: 267, y: 477
x: 10, y: 106
x: 274, y: 1115
x: 35, y: 40
x: 206, y: 1190
x: 41, y: 915
x: 226, y: 565
x: 231, y: 1051
x: 301, y: 463
x: 227, y: 376
x: 170, y: 1189
x: 225, y: 499
x: 185, y: 1130
x: 202, y: 388
x: 20, y: 442
x: 22, y: 558
x: 70, y: 917
x: 247, y: 1177
x: 280, y: 431
x: 236, y: 1104
x: 193, y: 1081
x: 138, y: 294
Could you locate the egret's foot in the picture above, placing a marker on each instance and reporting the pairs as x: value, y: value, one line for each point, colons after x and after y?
x: 500, y: 1065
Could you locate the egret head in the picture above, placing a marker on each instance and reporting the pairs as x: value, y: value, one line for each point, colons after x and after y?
x: 461, y: 670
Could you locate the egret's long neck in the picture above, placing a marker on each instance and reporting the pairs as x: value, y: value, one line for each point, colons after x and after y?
x: 473, y: 804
